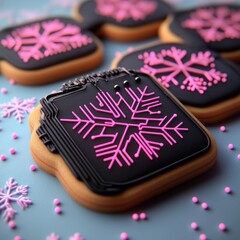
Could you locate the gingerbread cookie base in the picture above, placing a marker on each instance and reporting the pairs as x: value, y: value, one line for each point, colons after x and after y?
x: 128, y: 198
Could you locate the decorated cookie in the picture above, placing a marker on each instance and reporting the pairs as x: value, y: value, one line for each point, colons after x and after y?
x: 118, y: 138
x: 217, y: 27
x: 204, y: 82
x: 122, y: 20
x: 47, y: 50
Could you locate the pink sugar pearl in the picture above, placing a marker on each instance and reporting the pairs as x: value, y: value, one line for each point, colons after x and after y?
x: 12, y: 151
x: 33, y: 168
x: 14, y: 136
x: 12, y: 81
x: 4, y: 90
x: 195, y: 199
x: 227, y: 190
x: 135, y: 217
x: 58, y: 210
x: 56, y: 201
x: 17, y: 238
x: 3, y: 157
x: 238, y: 156
x: 203, y: 236
x: 231, y: 146
x: 124, y: 236
x: 204, y: 205
x: 222, y: 227
x: 223, y: 129
x: 11, y: 224
x: 194, y: 225
x: 143, y: 216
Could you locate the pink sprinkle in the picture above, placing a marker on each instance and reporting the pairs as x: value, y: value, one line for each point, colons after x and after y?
x: 203, y: 236
x: 56, y: 201
x: 12, y: 81
x: 124, y: 236
x: 223, y: 129
x: 58, y: 210
x: 222, y: 227
x: 11, y: 224
x: 238, y: 156
x: 194, y: 225
x: 4, y: 90
x: 14, y: 136
x: 12, y: 151
x: 231, y: 146
x: 135, y: 217
x: 204, y: 205
x: 3, y: 157
x: 227, y: 190
x: 143, y: 216
x: 17, y: 238
x: 33, y: 168
x: 195, y: 199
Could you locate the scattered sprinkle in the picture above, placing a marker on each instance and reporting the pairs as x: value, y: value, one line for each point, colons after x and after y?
x: 11, y: 224
x: 12, y: 81
x: 12, y: 151
x: 56, y: 201
x: 238, y: 156
x: 195, y: 199
x: 223, y: 129
x: 231, y: 146
x: 124, y: 236
x: 17, y: 238
x: 135, y: 216
x: 4, y: 91
x: 194, y: 226
x: 143, y: 216
x: 222, y: 227
x: 14, y: 136
x: 3, y: 157
x: 227, y: 190
x: 204, y: 206
x: 203, y: 236
x: 58, y: 210
x: 33, y: 168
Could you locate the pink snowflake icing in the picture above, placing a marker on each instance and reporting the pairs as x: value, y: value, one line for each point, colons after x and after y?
x: 45, y: 39
x: 118, y: 131
x: 17, y: 107
x: 167, y: 65
x: 14, y: 193
x: 121, y: 10
x: 215, y: 24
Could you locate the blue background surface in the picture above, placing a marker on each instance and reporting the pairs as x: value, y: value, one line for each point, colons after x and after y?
x: 169, y: 215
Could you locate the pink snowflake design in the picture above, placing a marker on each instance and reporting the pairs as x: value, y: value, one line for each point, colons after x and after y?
x: 199, y: 71
x: 17, y: 107
x: 145, y: 122
x: 121, y: 10
x: 215, y: 24
x: 45, y: 39
x: 14, y: 193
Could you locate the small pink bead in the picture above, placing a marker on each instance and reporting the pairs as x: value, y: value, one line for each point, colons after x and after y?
x: 17, y: 238
x: 231, y: 146
x: 195, y: 200
x: 4, y: 90
x: 143, y: 216
x: 12, y: 81
x: 56, y: 201
x: 14, y: 136
x: 33, y: 168
x: 3, y: 157
x: 135, y: 217
x: 194, y: 225
x: 238, y: 156
x: 222, y: 227
x: 203, y: 236
x: 12, y: 151
x: 58, y: 210
x: 223, y: 129
x: 227, y: 190
x: 11, y: 224
x: 204, y: 205
x: 124, y: 236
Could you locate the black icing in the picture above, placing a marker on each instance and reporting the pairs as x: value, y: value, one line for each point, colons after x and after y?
x: 79, y: 154
x: 92, y: 20
x: 13, y: 58
x: 191, y: 36
x: 214, y: 94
